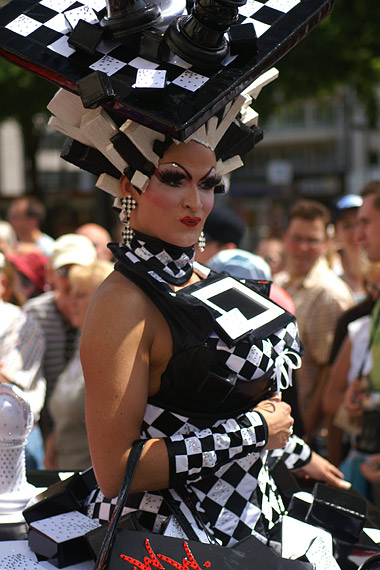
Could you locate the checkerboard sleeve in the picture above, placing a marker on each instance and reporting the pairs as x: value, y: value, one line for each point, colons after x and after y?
x: 200, y: 453
x: 295, y: 454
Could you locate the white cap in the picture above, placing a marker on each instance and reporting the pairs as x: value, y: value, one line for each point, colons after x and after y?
x: 241, y: 264
x: 72, y: 249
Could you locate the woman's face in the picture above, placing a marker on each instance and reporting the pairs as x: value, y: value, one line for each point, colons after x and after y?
x: 345, y: 230
x: 80, y: 296
x: 179, y: 197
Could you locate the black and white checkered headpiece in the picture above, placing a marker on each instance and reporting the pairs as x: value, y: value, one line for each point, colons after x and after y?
x: 128, y: 97
x: 99, y: 143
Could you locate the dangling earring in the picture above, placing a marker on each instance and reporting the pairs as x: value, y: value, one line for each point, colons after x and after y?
x: 202, y: 242
x: 127, y: 205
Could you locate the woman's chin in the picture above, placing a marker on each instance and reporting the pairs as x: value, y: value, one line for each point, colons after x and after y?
x: 182, y: 239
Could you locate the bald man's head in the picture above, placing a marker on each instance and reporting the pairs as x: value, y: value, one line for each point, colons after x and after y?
x: 99, y: 237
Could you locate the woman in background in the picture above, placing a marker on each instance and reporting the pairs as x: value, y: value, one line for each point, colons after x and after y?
x: 67, y: 445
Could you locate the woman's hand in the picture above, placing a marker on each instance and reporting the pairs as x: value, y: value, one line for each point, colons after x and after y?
x: 322, y: 470
x: 371, y: 468
x: 277, y: 414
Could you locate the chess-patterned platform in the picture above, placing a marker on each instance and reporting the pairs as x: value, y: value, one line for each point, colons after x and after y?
x: 35, y: 35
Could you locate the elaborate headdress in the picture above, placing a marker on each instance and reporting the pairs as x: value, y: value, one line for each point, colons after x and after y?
x: 137, y: 76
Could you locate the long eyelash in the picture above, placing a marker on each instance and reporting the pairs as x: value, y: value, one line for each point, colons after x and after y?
x: 211, y: 182
x: 170, y: 176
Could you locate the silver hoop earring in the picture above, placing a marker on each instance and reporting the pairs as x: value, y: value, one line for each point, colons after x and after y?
x: 202, y: 242
x: 127, y: 205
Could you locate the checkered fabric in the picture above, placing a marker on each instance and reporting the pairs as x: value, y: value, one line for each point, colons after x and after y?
x: 170, y: 263
x: 198, y: 453
x: 236, y: 499
x: 49, y: 23
x: 222, y: 462
x: 251, y: 360
x: 295, y: 454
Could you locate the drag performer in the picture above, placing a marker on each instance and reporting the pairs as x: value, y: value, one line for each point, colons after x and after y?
x: 192, y: 361
x: 157, y: 366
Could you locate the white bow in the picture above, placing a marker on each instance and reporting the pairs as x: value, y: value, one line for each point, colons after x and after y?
x: 283, y: 367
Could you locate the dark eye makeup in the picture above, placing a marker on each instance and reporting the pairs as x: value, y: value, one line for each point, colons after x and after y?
x: 170, y: 177
x: 173, y: 174
x: 210, y: 182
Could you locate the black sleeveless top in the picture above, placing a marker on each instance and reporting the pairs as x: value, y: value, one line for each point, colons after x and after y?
x: 207, y: 376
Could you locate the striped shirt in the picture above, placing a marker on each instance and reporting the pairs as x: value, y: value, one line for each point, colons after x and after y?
x: 60, y: 337
x: 22, y: 348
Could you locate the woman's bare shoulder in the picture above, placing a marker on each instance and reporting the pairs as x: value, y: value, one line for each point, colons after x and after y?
x: 118, y: 305
x: 120, y: 291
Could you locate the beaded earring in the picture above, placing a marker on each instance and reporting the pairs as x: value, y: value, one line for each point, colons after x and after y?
x: 202, y: 242
x: 127, y: 205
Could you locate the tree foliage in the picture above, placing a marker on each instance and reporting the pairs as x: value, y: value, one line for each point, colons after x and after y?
x: 344, y: 49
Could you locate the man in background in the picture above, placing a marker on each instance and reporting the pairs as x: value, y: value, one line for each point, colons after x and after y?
x: 369, y: 238
x: 271, y: 249
x: 319, y: 296
x: 51, y: 310
x: 99, y: 236
x: 349, y: 262
x: 26, y: 215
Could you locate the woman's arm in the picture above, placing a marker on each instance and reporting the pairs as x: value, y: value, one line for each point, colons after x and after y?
x: 116, y: 345
x: 200, y: 453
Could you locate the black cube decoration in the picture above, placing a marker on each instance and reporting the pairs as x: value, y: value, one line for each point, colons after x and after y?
x: 61, y: 497
x: 60, y: 539
x: 299, y: 505
x: 340, y: 512
x: 85, y: 37
x: 243, y: 39
x: 150, y: 87
x: 153, y: 47
x: 95, y: 89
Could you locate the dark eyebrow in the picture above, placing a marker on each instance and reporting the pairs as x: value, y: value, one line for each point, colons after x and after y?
x: 180, y: 165
x: 188, y: 173
x: 207, y: 175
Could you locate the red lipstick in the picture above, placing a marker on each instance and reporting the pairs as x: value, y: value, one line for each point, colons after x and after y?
x: 190, y: 222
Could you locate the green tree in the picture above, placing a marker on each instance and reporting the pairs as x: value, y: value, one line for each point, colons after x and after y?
x: 344, y: 49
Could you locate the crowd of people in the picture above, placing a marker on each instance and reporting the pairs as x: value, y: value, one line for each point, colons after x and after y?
x: 323, y: 269
x: 225, y: 362
x: 41, y: 315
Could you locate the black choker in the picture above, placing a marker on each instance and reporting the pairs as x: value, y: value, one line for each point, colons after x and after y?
x: 171, y: 263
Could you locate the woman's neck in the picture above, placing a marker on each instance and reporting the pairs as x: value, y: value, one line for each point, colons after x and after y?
x: 170, y: 262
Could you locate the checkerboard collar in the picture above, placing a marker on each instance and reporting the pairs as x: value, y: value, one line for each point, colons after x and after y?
x: 169, y: 262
